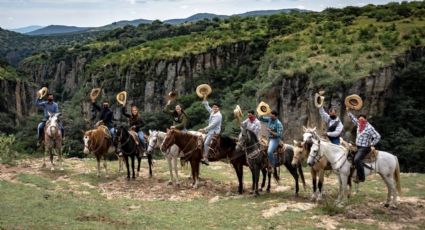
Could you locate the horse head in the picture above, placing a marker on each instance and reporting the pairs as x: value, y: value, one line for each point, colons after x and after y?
x: 152, y: 140
x: 87, y: 141
x: 169, y: 139
x: 298, y: 153
x: 52, y: 124
x: 314, y: 155
x: 246, y: 138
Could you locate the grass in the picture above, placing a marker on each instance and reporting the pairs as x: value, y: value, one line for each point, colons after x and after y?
x: 40, y: 201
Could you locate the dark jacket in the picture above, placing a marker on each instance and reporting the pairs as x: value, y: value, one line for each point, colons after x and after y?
x: 106, y: 115
x: 136, y: 121
x: 179, y: 120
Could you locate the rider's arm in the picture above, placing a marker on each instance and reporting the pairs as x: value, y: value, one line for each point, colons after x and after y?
x: 375, y: 135
x: 264, y: 118
x: 215, y: 121
x: 39, y: 103
x: 324, y: 115
x: 95, y: 106
x: 337, y: 131
x: 182, y: 124
x: 279, y: 130
x: 167, y: 109
x: 353, y: 118
x: 124, y: 112
x: 207, y: 106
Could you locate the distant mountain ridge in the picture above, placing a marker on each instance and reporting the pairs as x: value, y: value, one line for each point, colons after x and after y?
x: 26, y: 29
x: 61, y: 29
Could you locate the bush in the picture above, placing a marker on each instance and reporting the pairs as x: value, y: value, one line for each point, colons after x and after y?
x: 7, y: 154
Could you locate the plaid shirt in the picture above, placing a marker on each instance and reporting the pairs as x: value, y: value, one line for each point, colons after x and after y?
x: 274, y: 125
x: 368, y: 137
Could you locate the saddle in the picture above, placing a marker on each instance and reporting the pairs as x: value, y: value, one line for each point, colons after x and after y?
x: 369, y: 158
x: 265, y: 143
x: 135, y: 137
x: 105, y: 131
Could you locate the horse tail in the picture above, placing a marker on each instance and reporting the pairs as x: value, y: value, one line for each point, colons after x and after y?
x: 397, y: 176
x: 300, y: 171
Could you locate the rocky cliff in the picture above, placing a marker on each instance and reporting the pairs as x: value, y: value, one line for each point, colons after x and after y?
x: 293, y: 97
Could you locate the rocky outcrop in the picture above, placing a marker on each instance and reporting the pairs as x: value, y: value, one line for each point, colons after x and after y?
x: 293, y: 97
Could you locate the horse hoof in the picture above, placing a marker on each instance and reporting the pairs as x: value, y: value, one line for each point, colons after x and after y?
x: 252, y: 192
x: 260, y: 190
x: 257, y: 194
x: 386, y: 205
x: 268, y: 190
x: 170, y: 183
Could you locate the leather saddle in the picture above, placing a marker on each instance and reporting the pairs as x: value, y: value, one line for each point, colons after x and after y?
x: 369, y: 158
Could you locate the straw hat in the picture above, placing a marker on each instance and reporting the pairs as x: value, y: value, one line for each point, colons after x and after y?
x: 42, y: 92
x: 94, y: 93
x: 238, y: 112
x: 122, y: 97
x: 203, y: 90
x: 172, y: 95
x: 318, y: 100
x: 354, y: 102
x: 263, y: 109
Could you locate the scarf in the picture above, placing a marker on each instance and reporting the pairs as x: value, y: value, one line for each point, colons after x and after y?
x: 362, y: 125
x: 251, y: 118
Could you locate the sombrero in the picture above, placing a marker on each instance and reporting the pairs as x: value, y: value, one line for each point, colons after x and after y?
x: 94, y: 93
x: 237, y: 112
x: 42, y: 92
x: 263, y: 109
x: 354, y: 101
x: 122, y: 97
x: 203, y: 90
x: 318, y: 100
x: 172, y: 95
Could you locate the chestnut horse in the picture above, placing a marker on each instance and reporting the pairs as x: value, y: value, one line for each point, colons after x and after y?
x: 224, y: 147
x: 191, y: 146
x: 98, y: 141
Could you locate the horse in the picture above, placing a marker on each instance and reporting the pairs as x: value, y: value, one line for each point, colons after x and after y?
x: 386, y: 165
x: 154, y: 141
x: 98, y: 141
x: 191, y: 146
x: 256, y: 159
x: 53, y: 140
x: 222, y: 147
x: 317, y: 171
x: 124, y: 142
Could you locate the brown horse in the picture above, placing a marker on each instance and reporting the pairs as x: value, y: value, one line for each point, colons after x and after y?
x: 53, y: 139
x: 98, y: 141
x: 223, y: 147
x: 190, y: 145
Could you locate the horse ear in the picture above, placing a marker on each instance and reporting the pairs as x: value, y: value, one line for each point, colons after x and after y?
x: 304, y: 129
x: 49, y: 113
x: 168, y: 130
x: 295, y: 143
x: 150, y: 132
x: 58, y: 114
x: 314, y: 129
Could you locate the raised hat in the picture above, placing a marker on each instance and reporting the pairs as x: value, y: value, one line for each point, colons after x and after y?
x: 122, y: 97
x: 263, y: 109
x: 354, y: 101
x: 203, y: 90
x: 94, y: 93
x: 42, y: 92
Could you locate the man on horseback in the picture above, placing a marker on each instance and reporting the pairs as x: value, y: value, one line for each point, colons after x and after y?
x: 106, y: 116
x: 136, y: 123
x: 252, y: 123
x: 48, y: 106
x: 214, y: 127
x: 334, y: 124
x: 367, y: 137
x: 275, y: 129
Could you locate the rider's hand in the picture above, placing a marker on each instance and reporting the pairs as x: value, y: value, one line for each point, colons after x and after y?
x: 173, y: 127
x: 202, y: 130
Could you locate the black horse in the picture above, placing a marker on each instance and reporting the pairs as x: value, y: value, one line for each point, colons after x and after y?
x: 223, y: 147
x: 126, y: 144
x: 257, y: 160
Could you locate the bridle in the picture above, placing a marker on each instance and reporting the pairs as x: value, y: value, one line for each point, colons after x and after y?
x: 120, y: 144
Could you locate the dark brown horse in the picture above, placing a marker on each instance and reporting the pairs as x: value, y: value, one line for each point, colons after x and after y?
x: 224, y: 147
x: 191, y: 146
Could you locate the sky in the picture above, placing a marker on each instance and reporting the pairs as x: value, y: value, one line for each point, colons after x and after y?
x: 21, y: 13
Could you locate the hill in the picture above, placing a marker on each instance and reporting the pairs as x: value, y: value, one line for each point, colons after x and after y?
x: 58, y: 29
x: 26, y: 29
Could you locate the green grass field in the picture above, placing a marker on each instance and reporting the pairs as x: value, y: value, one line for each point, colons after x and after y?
x: 35, y: 198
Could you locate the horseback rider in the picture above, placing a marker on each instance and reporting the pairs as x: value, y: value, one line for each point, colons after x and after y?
x: 252, y: 123
x: 136, y: 123
x: 334, y: 124
x: 367, y: 137
x: 180, y: 118
x: 48, y: 106
x: 275, y: 129
x: 106, y: 116
x: 214, y: 126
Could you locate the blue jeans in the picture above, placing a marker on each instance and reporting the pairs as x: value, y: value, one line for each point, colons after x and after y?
x: 273, y: 144
x: 141, y: 138
x: 334, y: 140
x: 112, y: 132
x: 40, y: 129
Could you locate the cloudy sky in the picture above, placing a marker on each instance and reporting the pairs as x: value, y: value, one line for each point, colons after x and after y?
x: 20, y: 13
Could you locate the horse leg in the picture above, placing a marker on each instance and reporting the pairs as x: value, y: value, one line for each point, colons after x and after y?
x: 320, y: 184
x: 269, y: 176
x: 98, y: 166
x: 150, y: 164
x: 174, y: 161
x: 127, y: 165
x: 293, y: 171
x: 257, y: 179
x: 253, y: 179
x: 343, y: 189
x: 132, y: 166
x: 170, y: 168
x: 314, y: 181
x: 389, y: 182
x: 120, y: 164
x: 59, y: 150
x: 263, y: 182
x: 139, y: 162
x: 105, y: 166
x: 51, y: 159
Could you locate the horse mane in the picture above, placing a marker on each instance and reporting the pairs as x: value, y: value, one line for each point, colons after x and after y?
x: 253, y: 136
x: 227, y: 140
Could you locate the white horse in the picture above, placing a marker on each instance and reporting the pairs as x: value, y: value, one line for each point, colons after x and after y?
x: 386, y: 165
x: 155, y: 140
x: 53, y: 140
